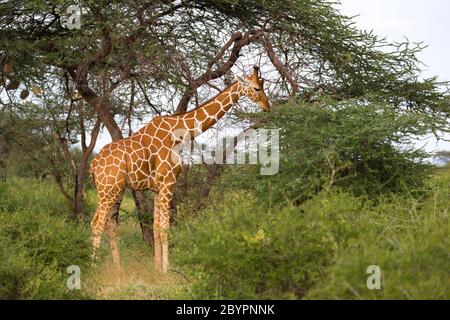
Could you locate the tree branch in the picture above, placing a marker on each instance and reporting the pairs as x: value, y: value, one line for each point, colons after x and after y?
x: 278, y: 64
x: 146, y: 97
x: 94, y: 135
x: 98, y: 104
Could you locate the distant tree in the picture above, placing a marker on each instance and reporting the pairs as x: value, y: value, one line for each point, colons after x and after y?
x: 442, y: 156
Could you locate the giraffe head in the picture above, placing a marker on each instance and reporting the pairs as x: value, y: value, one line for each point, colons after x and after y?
x: 253, y: 87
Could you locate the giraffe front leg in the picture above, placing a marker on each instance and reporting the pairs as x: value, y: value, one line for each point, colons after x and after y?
x: 166, y: 178
x: 164, y: 220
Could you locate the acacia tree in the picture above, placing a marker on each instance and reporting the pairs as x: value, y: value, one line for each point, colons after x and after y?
x: 169, y: 55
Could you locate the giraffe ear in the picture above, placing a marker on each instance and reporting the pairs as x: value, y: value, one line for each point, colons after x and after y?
x: 255, y: 74
x: 256, y: 71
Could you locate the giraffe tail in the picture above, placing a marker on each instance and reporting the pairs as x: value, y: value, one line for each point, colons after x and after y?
x: 92, y: 169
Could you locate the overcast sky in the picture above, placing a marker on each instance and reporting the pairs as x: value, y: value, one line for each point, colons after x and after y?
x: 425, y: 21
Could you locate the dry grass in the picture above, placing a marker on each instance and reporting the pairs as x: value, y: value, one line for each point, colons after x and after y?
x: 138, y: 278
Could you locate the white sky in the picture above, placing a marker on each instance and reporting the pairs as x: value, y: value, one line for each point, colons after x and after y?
x: 418, y: 20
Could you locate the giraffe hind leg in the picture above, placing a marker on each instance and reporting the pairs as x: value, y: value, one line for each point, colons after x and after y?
x: 101, y: 216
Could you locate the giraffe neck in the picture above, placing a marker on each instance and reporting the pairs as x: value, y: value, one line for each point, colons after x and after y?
x: 205, y: 116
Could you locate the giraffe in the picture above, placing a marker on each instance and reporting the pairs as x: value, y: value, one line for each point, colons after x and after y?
x: 144, y: 161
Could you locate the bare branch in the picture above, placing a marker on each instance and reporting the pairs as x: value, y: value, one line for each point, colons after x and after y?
x: 147, y: 98
x: 94, y: 135
x: 98, y: 104
x: 278, y: 64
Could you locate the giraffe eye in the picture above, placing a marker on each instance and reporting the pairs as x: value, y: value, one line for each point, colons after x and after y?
x: 257, y: 89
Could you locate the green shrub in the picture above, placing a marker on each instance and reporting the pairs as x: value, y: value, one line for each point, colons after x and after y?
x: 38, y: 242
x: 408, y: 240
x: 319, y: 249
x: 32, y: 194
x: 414, y: 265
x: 243, y: 251
x: 352, y: 145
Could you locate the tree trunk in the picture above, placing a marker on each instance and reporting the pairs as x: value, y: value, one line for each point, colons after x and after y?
x: 2, y: 169
x: 214, y: 172
x: 145, y: 216
x: 78, y: 199
x: 3, y: 159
